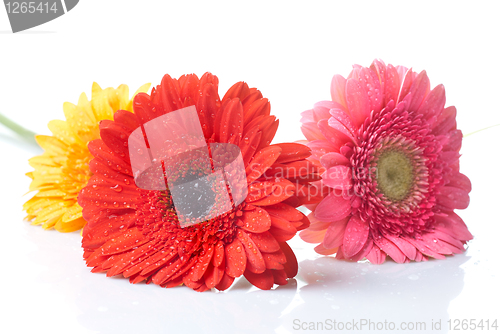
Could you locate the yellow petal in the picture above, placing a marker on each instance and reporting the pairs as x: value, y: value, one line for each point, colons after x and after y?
x: 62, y: 131
x: 72, y: 213
x: 51, y: 145
x: 70, y: 226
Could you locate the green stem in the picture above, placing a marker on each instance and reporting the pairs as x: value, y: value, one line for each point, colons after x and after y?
x: 486, y: 128
x: 21, y: 131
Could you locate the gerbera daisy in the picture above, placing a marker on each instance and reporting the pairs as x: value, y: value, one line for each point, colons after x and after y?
x: 62, y: 170
x: 389, y: 150
x: 138, y: 232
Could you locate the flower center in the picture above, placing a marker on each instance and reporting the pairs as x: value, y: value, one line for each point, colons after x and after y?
x: 394, y: 174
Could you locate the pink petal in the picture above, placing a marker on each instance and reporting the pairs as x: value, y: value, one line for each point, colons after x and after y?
x: 446, y: 121
x: 424, y: 248
x: 379, y: 68
x: 333, y: 208
x: 335, y: 137
x: 312, y: 237
x: 333, y: 159
x: 391, y: 85
x: 369, y: 81
x: 449, y: 239
x: 339, y: 120
x: 453, y: 225
x: 338, y: 177
x: 321, y: 249
x: 390, y: 249
x: 357, y: 101
x: 337, y: 89
x: 335, y: 233
x: 433, y: 104
x: 461, y: 181
x: 376, y: 256
x: 355, y: 236
x: 367, y: 248
x: 316, y: 224
x: 408, y: 249
x: 406, y: 79
x: 311, y: 131
x: 320, y: 148
x: 433, y: 242
x: 453, y: 198
x: 454, y: 141
x: 419, y: 90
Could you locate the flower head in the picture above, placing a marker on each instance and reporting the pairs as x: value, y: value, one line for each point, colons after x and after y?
x: 62, y: 170
x: 389, y: 150
x: 140, y: 234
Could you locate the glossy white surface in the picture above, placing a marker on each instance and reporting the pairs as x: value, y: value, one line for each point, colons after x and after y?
x: 290, y: 53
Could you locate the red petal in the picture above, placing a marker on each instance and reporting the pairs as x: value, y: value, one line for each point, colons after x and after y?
x: 284, y: 211
x: 130, y: 239
x: 218, y: 254
x: 279, y: 277
x: 201, y: 265
x: 169, y: 94
x: 235, y: 259
x: 207, y: 107
x: 231, y: 121
x: 102, y: 153
x: 256, y: 221
x: 274, y: 260
x: 293, y: 152
x: 264, y: 281
x: 281, y: 229
x: 239, y: 90
x: 261, y: 107
x: 268, y: 133
x: 213, y: 276
x: 255, y: 262
x: 261, y: 161
x: 283, y: 190
x: 225, y: 282
x: 249, y: 144
x: 291, y: 265
x: 266, y: 242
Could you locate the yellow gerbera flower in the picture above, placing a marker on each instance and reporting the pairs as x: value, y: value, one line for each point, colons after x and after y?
x: 63, y: 169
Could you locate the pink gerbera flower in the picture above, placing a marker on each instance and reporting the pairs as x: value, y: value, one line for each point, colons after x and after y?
x: 390, y: 154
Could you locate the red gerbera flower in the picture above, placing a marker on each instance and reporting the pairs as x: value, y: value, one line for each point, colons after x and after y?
x: 390, y: 153
x: 137, y: 232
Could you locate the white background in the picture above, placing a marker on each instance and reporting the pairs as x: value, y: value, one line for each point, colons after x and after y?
x: 290, y: 51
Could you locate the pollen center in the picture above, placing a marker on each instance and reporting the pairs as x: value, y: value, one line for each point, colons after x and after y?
x: 394, y: 174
